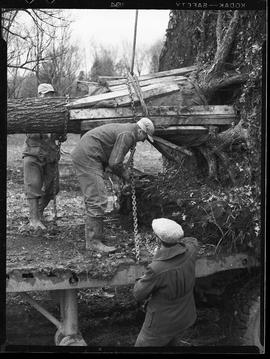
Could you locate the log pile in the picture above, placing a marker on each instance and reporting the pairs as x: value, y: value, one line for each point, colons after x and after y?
x: 175, y: 104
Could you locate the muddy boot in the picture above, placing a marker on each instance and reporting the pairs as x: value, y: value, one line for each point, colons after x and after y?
x: 34, y: 216
x: 94, y: 234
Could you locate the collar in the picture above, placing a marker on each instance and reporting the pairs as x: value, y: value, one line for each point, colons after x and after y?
x: 167, y: 253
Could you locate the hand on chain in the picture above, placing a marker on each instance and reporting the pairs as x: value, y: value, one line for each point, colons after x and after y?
x: 126, y: 174
x: 62, y: 138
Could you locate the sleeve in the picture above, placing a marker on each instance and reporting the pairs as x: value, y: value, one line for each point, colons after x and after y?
x: 121, y: 147
x: 145, y: 286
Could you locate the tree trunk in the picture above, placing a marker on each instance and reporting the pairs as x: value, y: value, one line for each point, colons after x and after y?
x: 43, y: 115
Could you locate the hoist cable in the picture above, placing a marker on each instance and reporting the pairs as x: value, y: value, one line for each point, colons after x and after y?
x: 134, y: 43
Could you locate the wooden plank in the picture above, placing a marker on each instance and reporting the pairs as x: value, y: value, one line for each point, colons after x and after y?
x: 154, y: 111
x: 163, y: 122
x: 161, y: 81
x: 183, y: 130
x: 181, y: 71
x: 171, y: 146
x: 149, y: 92
x: 122, y: 97
x: 108, y: 78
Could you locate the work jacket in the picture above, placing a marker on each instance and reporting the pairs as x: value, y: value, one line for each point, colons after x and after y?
x: 41, y: 146
x: 168, y: 285
x: 104, y: 146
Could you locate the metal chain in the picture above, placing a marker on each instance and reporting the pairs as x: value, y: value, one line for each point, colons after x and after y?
x: 133, y: 191
x: 58, y: 151
x: 134, y: 213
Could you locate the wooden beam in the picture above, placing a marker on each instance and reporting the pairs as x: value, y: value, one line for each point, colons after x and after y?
x: 183, y: 130
x: 143, y: 83
x: 163, y: 122
x: 182, y: 71
x: 154, y: 111
x: 122, y: 98
x: 171, y: 146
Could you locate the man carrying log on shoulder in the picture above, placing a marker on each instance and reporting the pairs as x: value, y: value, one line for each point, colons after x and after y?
x: 104, y: 148
x: 40, y: 161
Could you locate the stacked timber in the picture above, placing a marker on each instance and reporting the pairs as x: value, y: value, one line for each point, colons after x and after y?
x: 174, y: 103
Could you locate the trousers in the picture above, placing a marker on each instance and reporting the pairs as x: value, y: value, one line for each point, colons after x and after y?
x: 91, y: 180
x: 39, y: 177
x: 147, y: 340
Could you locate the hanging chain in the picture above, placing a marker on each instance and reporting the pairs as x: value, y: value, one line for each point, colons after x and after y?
x: 58, y: 151
x: 134, y: 212
x: 133, y: 191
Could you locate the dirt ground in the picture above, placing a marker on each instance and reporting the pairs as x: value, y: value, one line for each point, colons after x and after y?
x: 107, y: 317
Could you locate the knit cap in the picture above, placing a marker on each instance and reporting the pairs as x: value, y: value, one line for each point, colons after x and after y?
x: 167, y: 230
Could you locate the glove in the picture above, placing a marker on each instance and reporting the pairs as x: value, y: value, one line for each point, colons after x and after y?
x: 62, y: 138
x: 126, y: 174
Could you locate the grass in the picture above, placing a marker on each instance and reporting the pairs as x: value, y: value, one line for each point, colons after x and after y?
x: 146, y: 159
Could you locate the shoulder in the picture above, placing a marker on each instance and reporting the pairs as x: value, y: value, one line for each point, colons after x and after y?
x: 191, y: 244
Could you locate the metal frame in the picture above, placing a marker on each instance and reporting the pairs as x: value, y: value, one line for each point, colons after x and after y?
x: 67, y: 328
x: 65, y: 284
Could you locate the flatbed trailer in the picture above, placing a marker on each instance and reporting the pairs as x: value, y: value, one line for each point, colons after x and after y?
x: 33, y: 265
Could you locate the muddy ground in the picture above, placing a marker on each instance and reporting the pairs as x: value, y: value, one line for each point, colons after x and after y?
x: 107, y: 317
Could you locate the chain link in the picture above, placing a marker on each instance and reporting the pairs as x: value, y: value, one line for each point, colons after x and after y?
x: 133, y: 191
x: 134, y: 213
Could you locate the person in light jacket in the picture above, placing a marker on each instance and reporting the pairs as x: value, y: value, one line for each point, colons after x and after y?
x: 167, y: 287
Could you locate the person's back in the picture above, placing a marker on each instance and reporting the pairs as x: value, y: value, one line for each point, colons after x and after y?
x: 98, y: 143
x: 104, y: 149
x: 168, y: 287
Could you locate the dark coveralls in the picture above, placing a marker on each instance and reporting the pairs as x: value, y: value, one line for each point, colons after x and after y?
x: 40, y: 160
x: 168, y: 285
x: 103, y: 146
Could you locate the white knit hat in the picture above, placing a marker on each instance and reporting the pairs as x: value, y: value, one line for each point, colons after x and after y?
x: 44, y: 88
x: 167, y: 230
x: 147, y: 126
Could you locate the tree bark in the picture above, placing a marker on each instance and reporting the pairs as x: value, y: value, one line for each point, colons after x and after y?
x: 39, y: 115
x: 223, y: 44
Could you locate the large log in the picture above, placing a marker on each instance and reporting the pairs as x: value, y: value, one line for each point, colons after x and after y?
x: 34, y: 115
x: 39, y: 115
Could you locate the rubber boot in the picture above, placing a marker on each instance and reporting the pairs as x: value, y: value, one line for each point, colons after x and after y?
x: 94, y: 234
x: 34, y: 217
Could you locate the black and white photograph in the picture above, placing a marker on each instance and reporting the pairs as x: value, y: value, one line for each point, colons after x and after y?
x: 133, y: 207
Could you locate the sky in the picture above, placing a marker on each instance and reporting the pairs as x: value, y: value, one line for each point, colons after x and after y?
x: 113, y: 26
x: 110, y: 28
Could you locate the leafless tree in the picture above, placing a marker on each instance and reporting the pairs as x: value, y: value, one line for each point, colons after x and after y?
x: 28, y: 34
x: 62, y: 61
